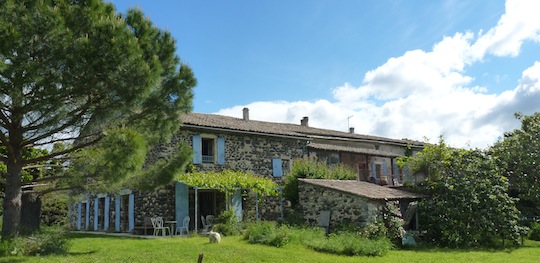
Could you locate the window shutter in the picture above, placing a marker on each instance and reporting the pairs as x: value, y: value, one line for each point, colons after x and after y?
x: 197, y: 147
x: 373, y: 170
x: 221, y: 150
x: 87, y: 216
x: 277, y: 167
x: 96, y: 211
x: 79, y: 216
x: 396, y: 169
x: 106, y: 211
x: 236, y: 201
x: 117, y: 213
x: 131, y: 212
x: 384, y: 169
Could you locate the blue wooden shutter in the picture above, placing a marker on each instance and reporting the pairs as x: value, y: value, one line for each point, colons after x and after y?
x: 197, y: 149
x: 237, y: 204
x: 79, y: 215
x: 385, y: 169
x: 117, y: 213
x: 87, y: 216
x: 131, y: 212
x: 181, y: 201
x: 396, y: 169
x: 277, y: 167
x: 374, y: 170
x: 106, y: 213
x: 221, y: 150
x: 96, y: 211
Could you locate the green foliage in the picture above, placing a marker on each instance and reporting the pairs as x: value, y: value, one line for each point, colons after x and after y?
x: 51, y: 240
x: 312, y: 169
x: 469, y: 205
x: 163, y: 171
x: 267, y: 233
x: 54, y: 209
x: 228, y: 224
x: 115, y: 159
x: 392, y: 221
x: 351, y: 244
x: 534, y: 234
x: 518, y: 154
x: 374, y: 230
x: 230, y: 181
x: 76, y: 71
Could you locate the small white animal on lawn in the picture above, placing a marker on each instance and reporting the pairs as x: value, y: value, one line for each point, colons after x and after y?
x: 214, y: 237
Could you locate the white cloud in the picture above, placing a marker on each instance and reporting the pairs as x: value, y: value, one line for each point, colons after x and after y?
x: 428, y: 93
x: 520, y: 23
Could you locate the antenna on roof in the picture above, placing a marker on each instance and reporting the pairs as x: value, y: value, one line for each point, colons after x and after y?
x: 348, y: 118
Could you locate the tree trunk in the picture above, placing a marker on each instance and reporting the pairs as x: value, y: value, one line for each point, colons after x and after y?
x: 12, y: 200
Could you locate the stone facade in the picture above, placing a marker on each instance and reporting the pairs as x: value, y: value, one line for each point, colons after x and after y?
x: 344, y: 208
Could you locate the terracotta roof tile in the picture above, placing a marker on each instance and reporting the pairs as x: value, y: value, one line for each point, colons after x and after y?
x: 339, y: 148
x: 364, y: 189
x: 288, y: 129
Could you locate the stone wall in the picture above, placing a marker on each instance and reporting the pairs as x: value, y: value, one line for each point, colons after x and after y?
x: 157, y: 203
x: 244, y: 152
x: 344, y: 208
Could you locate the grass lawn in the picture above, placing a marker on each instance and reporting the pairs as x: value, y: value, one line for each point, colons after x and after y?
x: 99, y: 248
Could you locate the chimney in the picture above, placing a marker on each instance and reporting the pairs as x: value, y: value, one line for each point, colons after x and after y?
x: 246, y: 114
x: 304, y: 121
x: 351, y: 129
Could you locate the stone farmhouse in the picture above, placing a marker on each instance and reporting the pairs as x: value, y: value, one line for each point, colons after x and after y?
x: 262, y: 148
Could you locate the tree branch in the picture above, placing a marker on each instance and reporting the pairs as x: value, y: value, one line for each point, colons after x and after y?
x: 60, y: 128
x: 46, y: 179
x: 50, y: 190
x: 59, y: 153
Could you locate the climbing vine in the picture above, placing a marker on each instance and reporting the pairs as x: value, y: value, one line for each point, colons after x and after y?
x: 229, y: 181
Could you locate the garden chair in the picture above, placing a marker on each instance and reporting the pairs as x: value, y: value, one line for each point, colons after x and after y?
x: 204, y: 225
x: 185, y: 226
x: 210, y: 221
x: 207, y: 223
x: 157, y: 223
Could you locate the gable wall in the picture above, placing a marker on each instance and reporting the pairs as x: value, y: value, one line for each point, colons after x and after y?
x: 344, y: 208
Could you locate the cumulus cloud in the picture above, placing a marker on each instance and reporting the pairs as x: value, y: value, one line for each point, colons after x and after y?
x: 428, y: 93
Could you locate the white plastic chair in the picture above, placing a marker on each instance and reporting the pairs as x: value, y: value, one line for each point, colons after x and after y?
x: 205, y: 226
x: 180, y: 229
x: 210, y: 221
x: 157, y: 223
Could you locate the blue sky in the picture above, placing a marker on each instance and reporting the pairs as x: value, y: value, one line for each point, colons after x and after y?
x: 401, y: 69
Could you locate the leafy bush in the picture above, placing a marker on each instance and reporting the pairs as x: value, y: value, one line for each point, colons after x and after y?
x: 228, y: 224
x: 44, y: 242
x: 351, y: 244
x: 267, y: 233
x: 534, y: 234
x: 373, y: 230
x: 54, y: 209
x: 469, y: 205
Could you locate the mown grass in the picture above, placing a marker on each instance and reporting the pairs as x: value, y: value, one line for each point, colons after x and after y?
x: 99, y: 248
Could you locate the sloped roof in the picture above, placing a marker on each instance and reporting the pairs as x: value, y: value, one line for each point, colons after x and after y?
x: 339, y: 148
x: 364, y: 189
x: 275, y: 128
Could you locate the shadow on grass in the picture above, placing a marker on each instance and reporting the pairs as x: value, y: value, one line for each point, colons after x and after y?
x: 81, y: 253
x: 73, y: 235
x: 12, y: 260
